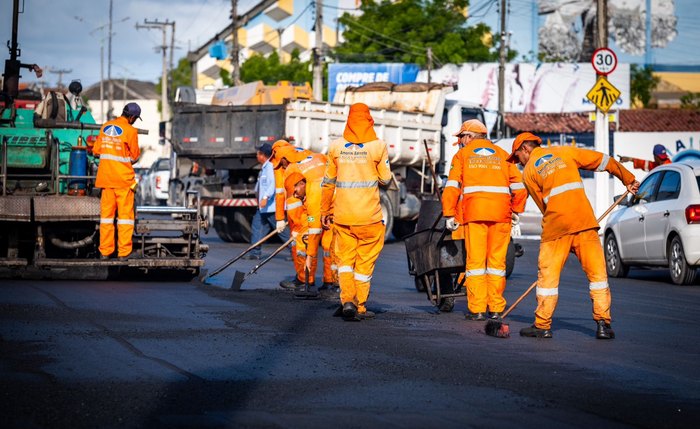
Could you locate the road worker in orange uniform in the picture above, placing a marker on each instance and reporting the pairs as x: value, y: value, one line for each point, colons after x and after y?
x: 551, y: 176
x: 491, y: 190
x: 305, y: 217
x: 357, y: 163
x: 117, y: 146
x: 660, y: 158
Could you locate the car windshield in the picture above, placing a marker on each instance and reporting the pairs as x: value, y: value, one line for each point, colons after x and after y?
x: 163, y: 165
x: 697, y: 179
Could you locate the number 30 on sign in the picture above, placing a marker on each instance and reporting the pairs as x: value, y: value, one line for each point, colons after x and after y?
x: 604, y: 61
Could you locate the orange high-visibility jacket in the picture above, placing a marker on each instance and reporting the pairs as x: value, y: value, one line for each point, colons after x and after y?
x: 279, y: 194
x: 645, y: 165
x: 118, y: 148
x: 553, y: 180
x: 491, y: 187
x: 313, y: 167
x: 354, y: 173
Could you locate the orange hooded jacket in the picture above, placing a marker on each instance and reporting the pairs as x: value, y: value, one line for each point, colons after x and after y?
x: 118, y: 148
x: 553, y: 180
x: 491, y: 187
x: 357, y: 164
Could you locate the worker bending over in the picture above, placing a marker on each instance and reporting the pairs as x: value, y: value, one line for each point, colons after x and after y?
x: 491, y: 192
x: 551, y: 176
x: 306, y: 217
x: 357, y: 164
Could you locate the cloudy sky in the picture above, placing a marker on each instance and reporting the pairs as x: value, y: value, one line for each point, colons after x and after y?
x: 66, y: 35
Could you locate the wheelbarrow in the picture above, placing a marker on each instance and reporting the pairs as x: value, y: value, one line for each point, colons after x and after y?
x: 435, y: 260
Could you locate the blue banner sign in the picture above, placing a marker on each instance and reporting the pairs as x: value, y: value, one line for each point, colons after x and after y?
x: 342, y: 75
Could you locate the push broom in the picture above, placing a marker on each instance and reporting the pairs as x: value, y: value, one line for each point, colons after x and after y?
x: 500, y: 329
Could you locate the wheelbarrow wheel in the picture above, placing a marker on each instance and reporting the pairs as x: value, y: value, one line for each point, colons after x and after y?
x: 420, y: 286
x: 446, y: 305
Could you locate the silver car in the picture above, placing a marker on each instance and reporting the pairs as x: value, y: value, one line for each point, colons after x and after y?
x: 660, y: 226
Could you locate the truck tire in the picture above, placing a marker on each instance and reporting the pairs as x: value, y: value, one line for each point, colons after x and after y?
x: 232, y: 224
x: 510, y: 258
x: 387, y: 214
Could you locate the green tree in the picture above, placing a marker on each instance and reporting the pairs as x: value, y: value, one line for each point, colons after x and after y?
x: 691, y: 100
x: 642, y: 84
x: 402, y: 31
x: 270, y: 70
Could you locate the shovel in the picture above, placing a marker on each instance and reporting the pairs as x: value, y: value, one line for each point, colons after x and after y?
x: 240, y: 277
x: 204, y: 276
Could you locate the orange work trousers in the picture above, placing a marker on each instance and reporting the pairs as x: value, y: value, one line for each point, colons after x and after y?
x: 486, y: 244
x: 553, y: 254
x: 118, y: 201
x: 329, y: 274
x: 357, y: 249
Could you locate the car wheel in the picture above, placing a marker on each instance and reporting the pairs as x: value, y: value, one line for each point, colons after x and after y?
x: 681, y: 272
x: 613, y: 261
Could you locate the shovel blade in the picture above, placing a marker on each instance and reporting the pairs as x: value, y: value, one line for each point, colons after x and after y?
x: 237, y: 281
x: 203, y: 276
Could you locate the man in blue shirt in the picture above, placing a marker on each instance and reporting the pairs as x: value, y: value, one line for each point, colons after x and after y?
x: 264, y: 218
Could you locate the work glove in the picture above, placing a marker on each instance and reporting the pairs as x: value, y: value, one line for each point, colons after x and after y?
x: 295, y: 234
x: 451, y: 224
x: 515, y: 225
x: 280, y: 226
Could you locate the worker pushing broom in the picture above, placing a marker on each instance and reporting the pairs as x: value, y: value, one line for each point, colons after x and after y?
x: 551, y: 176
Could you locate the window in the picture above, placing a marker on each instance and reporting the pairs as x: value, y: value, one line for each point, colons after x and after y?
x: 670, y: 186
x: 646, y: 190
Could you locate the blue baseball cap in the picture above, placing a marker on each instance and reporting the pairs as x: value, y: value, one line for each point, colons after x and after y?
x: 132, y: 110
x: 660, y: 151
x: 265, y: 149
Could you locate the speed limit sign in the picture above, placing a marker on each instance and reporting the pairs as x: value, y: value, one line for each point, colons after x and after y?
x: 604, y: 61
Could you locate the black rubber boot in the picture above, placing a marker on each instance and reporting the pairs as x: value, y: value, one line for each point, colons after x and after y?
x: 535, y: 332
x: 366, y: 315
x: 604, y: 331
x: 350, y: 312
x: 291, y: 284
x: 478, y: 317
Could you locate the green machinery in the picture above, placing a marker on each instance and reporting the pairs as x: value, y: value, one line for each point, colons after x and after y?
x: 50, y: 210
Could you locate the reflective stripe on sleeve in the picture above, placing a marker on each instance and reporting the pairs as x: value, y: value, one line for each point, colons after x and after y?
x: 352, y: 185
x: 563, y: 188
x: 597, y: 285
x: 516, y: 186
x: 125, y: 221
x: 106, y: 220
x: 603, y: 163
x: 547, y: 291
x: 452, y: 183
x: 362, y: 277
x: 328, y: 181
x: 315, y: 231
x: 279, y: 190
x: 116, y: 158
x: 495, y: 272
x: 491, y: 189
x: 294, y: 205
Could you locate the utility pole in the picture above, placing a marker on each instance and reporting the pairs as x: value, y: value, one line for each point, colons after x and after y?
x: 110, y: 90
x: 165, y: 106
x: 500, y: 123
x: 171, y: 68
x: 647, y: 44
x: 430, y: 63
x: 318, y: 52
x: 235, y: 60
x: 60, y: 73
x: 602, y: 127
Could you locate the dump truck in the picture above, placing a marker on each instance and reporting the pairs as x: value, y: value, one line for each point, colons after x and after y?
x: 214, y: 143
x: 49, y: 207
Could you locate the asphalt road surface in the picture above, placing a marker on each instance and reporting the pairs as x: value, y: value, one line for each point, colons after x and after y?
x: 185, y: 355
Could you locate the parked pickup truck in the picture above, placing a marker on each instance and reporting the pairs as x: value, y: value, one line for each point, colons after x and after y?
x: 153, y: 186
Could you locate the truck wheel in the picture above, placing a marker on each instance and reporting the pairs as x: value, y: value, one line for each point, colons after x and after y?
x: 387, y: 214
x: 240, y: 221
x: 221, y: 225
x: 510, y: 258
x: 402, y: 228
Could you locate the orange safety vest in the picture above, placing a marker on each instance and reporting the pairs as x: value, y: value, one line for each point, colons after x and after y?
x: 118, y: 148
x: 491, y: 187
x: 553, y: 180
x: 354, y: 173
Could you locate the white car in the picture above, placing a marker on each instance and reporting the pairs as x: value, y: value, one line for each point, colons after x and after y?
x: 156, y: 182
x: 660, y: 226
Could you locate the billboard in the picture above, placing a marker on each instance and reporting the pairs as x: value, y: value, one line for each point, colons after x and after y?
x: 342, y: 75
x: 530, y: 88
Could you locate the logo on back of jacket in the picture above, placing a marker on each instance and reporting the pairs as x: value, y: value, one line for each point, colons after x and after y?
x: 113, y: 131
x: 484, y: 157
x: 547, y: 164
x: 353, y: 154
